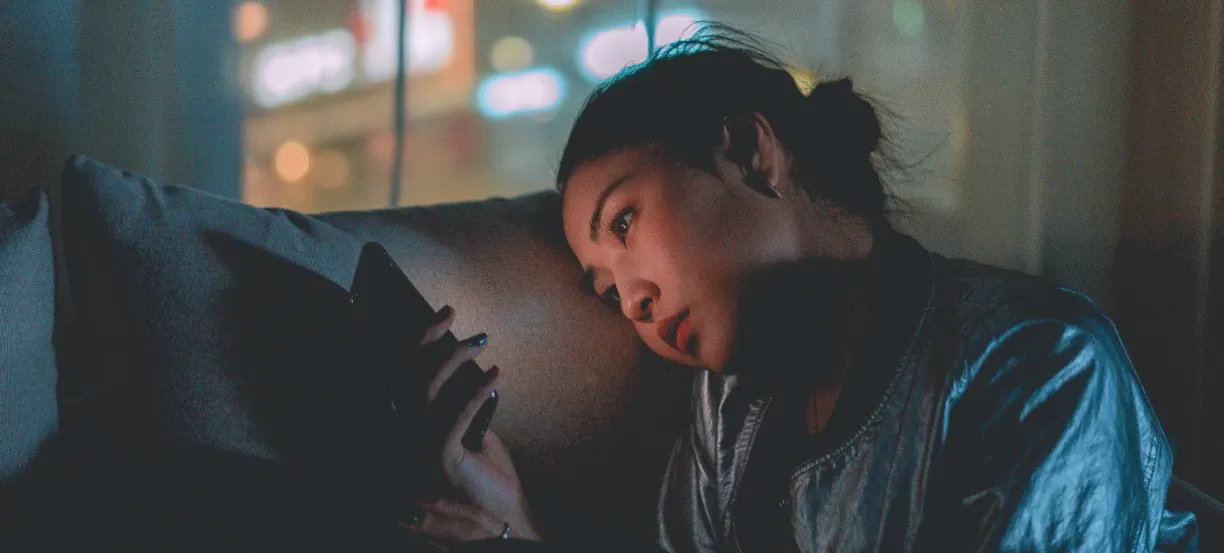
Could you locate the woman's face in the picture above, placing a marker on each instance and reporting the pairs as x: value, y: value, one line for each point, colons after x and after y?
x: 671, y: 246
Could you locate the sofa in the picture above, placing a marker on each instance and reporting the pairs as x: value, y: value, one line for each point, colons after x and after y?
x: 173, y: 375
x: 165, y: 415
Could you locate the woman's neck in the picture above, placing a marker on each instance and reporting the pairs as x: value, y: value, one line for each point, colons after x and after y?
x: 832, y: 233
x: 823, y: 397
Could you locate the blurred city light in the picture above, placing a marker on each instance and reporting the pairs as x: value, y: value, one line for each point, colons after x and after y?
x: 431, y: 38
x: 611, y: 50
x: 250, y: 21
x: 292, y: 161
x: 558, y: 5
x: 608, y: 51
x: 511, y: 54
x: 293, y: 70
x: 676, y: 26
x: 530, y: 91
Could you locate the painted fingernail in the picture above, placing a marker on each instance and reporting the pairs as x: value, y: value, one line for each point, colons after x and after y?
x: 485, y: 415
x: 414, y: 514
x: 492, y: 373
x: 477, y: 340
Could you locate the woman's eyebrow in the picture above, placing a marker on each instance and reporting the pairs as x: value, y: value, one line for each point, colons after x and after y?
x: 603, y: 199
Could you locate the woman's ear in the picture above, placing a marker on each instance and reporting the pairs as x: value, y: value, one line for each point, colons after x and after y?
x: 740, y: 142
x: 750, y: 143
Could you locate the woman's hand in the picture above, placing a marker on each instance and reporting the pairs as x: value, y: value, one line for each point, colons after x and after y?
x: 448, y: 521
x: 489, y: 495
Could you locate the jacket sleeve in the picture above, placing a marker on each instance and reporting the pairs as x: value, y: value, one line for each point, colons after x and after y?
x: 688, y: 512
x: 1051, y: 446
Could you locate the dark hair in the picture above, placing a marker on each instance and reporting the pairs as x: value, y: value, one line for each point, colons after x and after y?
x: 680, y: 98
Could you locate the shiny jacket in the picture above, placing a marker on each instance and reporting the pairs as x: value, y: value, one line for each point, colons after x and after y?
x: 990, y: 411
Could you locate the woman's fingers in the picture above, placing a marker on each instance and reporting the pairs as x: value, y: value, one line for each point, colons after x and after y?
x: 446, y: 317
x: 498, y: 453
x: 445, y: 520
x: 455, y: 509
x: 466, y: 350
x: 453, y: 445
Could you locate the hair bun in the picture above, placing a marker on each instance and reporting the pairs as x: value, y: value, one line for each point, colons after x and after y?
x: 844, y: 116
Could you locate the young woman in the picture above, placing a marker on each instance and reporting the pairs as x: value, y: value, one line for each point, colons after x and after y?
x: 859, y: 392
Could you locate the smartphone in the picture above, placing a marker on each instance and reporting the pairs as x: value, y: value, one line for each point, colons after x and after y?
x: 396, y: 316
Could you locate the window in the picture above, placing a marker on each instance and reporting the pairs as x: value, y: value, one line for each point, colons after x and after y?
x: 494, y: 85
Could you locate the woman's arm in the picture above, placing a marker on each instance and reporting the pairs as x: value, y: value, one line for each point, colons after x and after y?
x: 1052, y: 447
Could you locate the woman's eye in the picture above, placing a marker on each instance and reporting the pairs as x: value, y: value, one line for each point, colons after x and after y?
x: 620, y: 224
x: 611, y: 296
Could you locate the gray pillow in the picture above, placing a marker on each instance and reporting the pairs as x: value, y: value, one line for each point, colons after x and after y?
x: 166, y: 279
x: 218, y: 401
x: 28, y: 412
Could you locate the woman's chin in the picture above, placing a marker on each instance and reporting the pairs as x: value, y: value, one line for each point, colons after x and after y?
x: 674, y: 356
x: 712, y: 359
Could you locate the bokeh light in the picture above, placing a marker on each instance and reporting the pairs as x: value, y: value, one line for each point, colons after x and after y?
x: 292, y: 70
x: 606, y: 52
x: 511, y: 54
x: 531, y: 91
x: 250, y: 21
x: 558, y: 5
x: 292, y: 161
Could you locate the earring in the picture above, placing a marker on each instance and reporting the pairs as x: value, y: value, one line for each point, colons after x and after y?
x: 758, y: 182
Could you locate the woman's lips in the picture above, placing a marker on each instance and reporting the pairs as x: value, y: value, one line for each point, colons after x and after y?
x: 676, y: 331
x: 684, y: 334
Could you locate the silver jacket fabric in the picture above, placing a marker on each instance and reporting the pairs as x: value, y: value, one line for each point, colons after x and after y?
x: 993, y: 411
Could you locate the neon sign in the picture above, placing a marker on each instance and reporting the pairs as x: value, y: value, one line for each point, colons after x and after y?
x: 293, y: 70
x: 326, y: 63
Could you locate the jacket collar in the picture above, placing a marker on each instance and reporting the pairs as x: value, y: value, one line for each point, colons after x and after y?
x: 902, y: 284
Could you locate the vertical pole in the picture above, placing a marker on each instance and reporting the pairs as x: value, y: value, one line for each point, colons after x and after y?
x: 400, y: 102
x: 648, y: 15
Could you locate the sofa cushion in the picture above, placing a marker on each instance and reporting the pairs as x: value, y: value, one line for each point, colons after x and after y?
x: 28, y: 412
x: 589, y: 413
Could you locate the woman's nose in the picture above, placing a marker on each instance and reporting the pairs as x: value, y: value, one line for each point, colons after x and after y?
x: 638, y: 302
